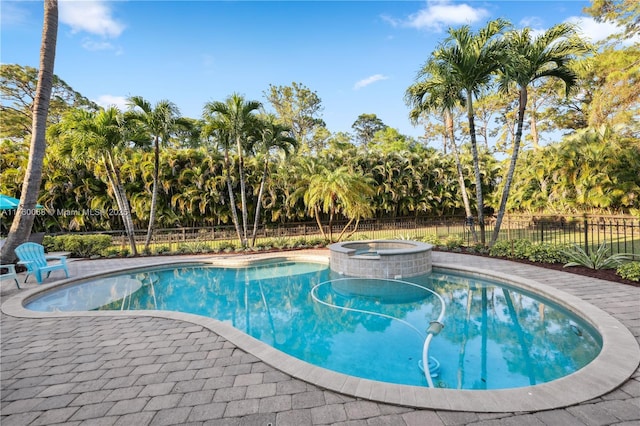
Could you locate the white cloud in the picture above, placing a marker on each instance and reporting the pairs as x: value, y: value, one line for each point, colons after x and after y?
x: 14, y: 15
x: 106, y: 101
x: 90, y: 44
x: 369, y: 80
x: 94, y: 17
x: 440, y: 13
x: 597, y: 31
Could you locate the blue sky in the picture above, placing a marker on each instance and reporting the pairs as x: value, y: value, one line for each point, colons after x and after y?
x: 359, y: 56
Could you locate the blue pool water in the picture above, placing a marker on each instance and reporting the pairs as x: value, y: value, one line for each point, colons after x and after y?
x: 494, y: 336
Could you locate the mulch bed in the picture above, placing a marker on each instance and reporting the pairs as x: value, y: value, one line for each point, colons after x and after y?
x: 603, y: 274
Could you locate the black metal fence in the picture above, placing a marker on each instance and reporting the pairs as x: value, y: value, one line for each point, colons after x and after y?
x: 621, y: 233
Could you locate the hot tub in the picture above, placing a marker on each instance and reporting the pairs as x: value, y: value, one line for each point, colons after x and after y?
x: 381, y: 258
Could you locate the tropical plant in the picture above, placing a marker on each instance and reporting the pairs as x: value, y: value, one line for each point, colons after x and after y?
x: 232, y: 123
x: 531, y: 59
x: 160, y: 121
x: 595, y: 259
x: 99, y: 136
x: 439, y: 91
x: 471, y: 60
x: 271, y: 138
x: 23, y: 222
x: 338, y: 192
x: 629, y: 271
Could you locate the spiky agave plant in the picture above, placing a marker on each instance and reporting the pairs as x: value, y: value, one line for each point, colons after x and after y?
x: 598, y: 259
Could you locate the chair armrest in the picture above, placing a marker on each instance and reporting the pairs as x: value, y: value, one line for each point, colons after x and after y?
x: 11, y: 268
x: 24, y: 262
x: 54, y: 257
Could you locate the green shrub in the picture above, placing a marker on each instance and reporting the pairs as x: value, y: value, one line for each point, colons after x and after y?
x: 317, y: 242
x: 501, y: 249
x: 226, y: 246
x: 547, y: 253
x: 280, y: 242
x: 525, y: 249
x: 514, y: 249
x: 431, y: 239
x: 162, y: 250
x: 78, y: 245
x: 595, y: 259
x: 453, y: 242
x: 478, y: 248
x: 629, y: 271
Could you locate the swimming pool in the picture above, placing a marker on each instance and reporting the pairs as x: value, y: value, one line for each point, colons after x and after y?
x: 495, y: 336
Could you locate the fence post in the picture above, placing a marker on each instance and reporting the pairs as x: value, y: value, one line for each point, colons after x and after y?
x: 586, y: 235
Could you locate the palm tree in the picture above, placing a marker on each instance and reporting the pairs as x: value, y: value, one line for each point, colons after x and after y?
x: 439, y: 91
x: 99, y: 135
x: 23, y: 222
x: 272, y: 137
x: 233, y: 121
x: 160, y: 121
x: 529, y: 60
x: 471, y: 60
x: 339, y: 191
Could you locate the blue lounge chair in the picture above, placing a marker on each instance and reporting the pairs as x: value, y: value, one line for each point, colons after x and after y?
x: 10, y: 274
x: 32, y: 256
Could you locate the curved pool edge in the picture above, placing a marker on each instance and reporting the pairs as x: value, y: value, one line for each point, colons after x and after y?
x: 616, y: 363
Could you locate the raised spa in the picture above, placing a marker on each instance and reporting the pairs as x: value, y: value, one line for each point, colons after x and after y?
x: 381, y: 258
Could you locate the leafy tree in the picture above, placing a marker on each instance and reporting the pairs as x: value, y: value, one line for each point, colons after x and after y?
x: 23, y: 222
x: 390, y: 139
x: 298, y: 108
x: 439, y: 91
x: 160, y: 121
x: 335, y: 192
x: 620, y: 12
x: 472, y: 59
x: 531, y: 59
x: 99, y: 136
x: 272, y: 137
x: 366, y: 126
x: 614, y: 78
x: 18, y: 87
x: 233, y: 122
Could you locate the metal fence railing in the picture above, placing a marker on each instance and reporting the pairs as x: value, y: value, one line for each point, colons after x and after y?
x: 621, y: 233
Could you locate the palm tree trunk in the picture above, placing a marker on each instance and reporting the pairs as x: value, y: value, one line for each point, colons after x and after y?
x: 259, y: 203
x: 355, y: 228
x: 243, y: 193
x: 154, y: 193
x: 533, y: 126
x: 23, y: 221
x: 232, y: 199
x: 463, y: 186
x: 114, y: 188
x: 317, y: 215
x: 512, y: 165
x: 345, y: 229
x: 476, y: 166
x: 125, y: 209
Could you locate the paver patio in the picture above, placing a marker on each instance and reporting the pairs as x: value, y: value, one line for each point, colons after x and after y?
x: 114, y: 370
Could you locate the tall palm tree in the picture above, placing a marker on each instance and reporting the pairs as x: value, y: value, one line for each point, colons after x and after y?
x: 160, y: 121
x: 439, y: 91
x: 234, y: 121
x: 471, y: 60
x: 98, y: 136
x: 23, y: 221
x: 531, y: 59
x: 271, y: 137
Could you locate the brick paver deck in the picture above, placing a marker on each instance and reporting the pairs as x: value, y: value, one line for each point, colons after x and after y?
x: 159, y: 371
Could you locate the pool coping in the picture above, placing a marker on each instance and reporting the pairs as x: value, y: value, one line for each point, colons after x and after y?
x: 616, y: 362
